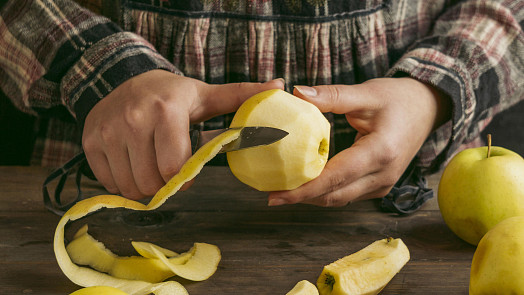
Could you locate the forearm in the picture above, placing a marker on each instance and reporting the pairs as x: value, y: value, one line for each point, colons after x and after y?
x: 474, y: 56
x: 55, y: 53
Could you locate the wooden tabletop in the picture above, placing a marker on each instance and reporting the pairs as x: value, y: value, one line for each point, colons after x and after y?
x: 265, y: 250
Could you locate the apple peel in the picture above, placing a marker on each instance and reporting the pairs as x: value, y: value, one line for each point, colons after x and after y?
x: 88, y: 277
x: 158, y: 264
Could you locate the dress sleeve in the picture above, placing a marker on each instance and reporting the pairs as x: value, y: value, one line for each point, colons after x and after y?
x: 56, y: 54
x: 475, y: 54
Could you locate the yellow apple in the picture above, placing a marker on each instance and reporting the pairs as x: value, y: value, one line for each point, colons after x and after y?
x: 290, y: 162
x: 498, y: 263
x: 367, y: 271
x: 303, y: 287
x: 477, y: 191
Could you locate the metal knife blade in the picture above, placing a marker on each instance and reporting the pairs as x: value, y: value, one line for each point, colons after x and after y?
x: 249, y: 137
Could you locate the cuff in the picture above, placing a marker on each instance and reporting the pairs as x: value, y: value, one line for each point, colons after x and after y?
x: 104, y: 66
x: 429, y: 66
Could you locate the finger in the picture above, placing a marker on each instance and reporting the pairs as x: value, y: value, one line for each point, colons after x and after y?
x: 226, y: 98
x: 347, y: 167
x: 172, y: 143
x: 120, y: 166
x: 343, y: 169
x: 100, y: 167
x: 367, y: 187
x: 144, y: 165
x: 339, y: 99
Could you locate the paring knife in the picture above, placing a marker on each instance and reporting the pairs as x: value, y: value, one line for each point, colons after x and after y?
x: 249, y: 137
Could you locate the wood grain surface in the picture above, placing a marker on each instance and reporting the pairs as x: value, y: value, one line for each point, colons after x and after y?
x: 265, y: 250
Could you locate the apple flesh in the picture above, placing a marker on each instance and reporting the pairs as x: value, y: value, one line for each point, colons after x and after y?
x: 303, y: 287
x: 290, y: 162
x: 365, y: 272
x: 476, y: 191
x: 498, y: 262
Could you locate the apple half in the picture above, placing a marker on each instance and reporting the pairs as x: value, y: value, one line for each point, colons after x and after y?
x: 365, y: 272
x: 290, y: 162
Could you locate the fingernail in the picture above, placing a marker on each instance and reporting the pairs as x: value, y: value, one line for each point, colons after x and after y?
x: 306, y: 90
x: 276, y: 202
x: 281, y: 80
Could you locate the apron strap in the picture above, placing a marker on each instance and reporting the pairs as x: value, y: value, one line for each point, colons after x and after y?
x: 78, y: 163
x: 409, y: 194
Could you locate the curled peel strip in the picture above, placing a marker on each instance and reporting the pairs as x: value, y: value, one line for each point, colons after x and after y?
x: 85, y: 250
x: 87, y: 277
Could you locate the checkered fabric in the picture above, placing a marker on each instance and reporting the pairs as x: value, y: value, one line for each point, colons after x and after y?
x: 57, y: 59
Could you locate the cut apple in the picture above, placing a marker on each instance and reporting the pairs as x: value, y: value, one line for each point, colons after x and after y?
x: 303, y: 287
x: 290, y: 162
x: 367, y: 271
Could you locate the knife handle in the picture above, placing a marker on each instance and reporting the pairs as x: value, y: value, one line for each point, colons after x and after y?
x: 194, y: 135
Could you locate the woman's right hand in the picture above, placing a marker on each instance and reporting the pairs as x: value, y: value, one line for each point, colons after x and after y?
x: 137, y: 137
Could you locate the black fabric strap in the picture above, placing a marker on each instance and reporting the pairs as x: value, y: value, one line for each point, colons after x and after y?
x: 409, y: 194
x: 77, y: 163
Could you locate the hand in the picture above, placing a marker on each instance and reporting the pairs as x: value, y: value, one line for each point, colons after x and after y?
x: 137, y: 137
x: 392, y: 116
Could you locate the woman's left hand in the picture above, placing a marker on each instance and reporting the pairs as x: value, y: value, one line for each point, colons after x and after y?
x: 392, y: 116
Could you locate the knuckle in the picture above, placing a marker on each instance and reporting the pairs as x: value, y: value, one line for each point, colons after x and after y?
x: 132, y: 194
x: 167, y: 171
x: 334, y: 95
x: 161, y: 107
x: 89, y: 145
x: 107, y: 133
x: 149, y: 189
x: 134, y: 117
x: 333, y: 200
x: 388, y: 154
x: 112, y: 189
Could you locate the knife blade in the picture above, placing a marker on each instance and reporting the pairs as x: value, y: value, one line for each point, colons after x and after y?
x: 249, y: 137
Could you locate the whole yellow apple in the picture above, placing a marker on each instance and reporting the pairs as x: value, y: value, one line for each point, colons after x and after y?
x: 290, y: 162
x: 477, y: 191
x: 498, y: 262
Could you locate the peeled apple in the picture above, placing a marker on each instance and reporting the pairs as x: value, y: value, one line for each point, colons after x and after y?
x: 367, y: 271
x: 303, y: 287
x: 290, y: 162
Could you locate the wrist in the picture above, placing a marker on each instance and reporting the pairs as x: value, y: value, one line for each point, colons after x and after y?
x: 440, y: 101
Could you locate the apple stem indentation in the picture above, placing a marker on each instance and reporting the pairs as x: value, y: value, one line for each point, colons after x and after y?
x: 489, y: 145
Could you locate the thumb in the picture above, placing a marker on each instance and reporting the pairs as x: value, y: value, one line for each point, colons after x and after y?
x: 338, y: 99
x: 226, y: 98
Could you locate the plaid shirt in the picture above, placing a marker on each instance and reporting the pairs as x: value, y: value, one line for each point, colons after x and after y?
x: 57, y: 60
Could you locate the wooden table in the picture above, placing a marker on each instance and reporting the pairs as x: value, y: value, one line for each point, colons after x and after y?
x: 264, y: 250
